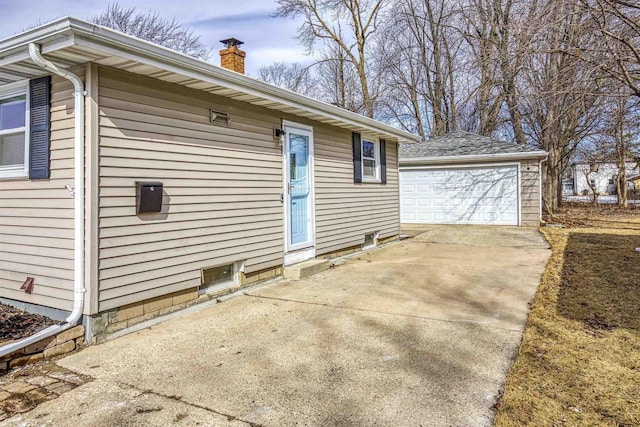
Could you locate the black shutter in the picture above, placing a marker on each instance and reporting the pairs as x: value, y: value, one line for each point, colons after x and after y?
x: 39, y: 128
x: 383, y: 161
x: 357, y: 158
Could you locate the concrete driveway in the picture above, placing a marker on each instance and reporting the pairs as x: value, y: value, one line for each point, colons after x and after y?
x: 419, y: 333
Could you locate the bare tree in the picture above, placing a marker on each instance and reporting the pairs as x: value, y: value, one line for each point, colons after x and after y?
x: 620, y: 129
x: 593, y: 154
x: 326, y: 20
x: 150, y: 26
x: 594, y: 168
x: 479, y: 28
x: 562, y: 95
x: 293, y: 76
x: 420, y: 48
x: 338, y: 79
x: 499, y: 33
x: 618, y: 25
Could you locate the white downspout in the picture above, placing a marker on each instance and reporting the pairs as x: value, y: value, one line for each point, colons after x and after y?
x: 78, y: 194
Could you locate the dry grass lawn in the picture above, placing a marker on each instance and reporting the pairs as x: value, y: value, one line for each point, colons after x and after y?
x: 579, y: 362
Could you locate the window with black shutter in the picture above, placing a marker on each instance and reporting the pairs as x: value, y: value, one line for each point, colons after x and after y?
x: 25, y: 128
x: 369, y: 159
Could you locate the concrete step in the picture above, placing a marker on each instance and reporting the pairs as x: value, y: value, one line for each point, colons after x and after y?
x: 305, y: 269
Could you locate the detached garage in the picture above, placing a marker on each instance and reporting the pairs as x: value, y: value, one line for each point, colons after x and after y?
x: 463, y: 178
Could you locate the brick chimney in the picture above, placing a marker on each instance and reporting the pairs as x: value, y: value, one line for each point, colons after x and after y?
x: 231, y: 57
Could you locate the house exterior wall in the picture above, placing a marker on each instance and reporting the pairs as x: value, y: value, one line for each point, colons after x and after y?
x: 36, y: 217
x: 602, y: 178
x: 530, y: 193
x: 222, y: 188
x: 345, y: 211
x: 221, y: 184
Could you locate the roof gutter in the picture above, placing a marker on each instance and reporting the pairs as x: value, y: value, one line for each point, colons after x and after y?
x: 473, y: 158
x: 108, y: 41
x: 116, y: 43
x: 78, y: 194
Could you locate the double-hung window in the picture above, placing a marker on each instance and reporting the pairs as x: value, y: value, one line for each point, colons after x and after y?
x: 14, y: 148
x: 370, y: 160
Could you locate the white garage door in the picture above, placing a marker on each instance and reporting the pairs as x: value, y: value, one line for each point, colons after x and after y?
x: 478, y: 195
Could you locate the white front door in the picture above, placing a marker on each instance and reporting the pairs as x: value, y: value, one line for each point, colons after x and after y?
x: 298, y: 191
x: 460, y: 195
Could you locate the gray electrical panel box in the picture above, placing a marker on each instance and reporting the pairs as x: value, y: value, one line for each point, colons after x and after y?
x: 148, y: 197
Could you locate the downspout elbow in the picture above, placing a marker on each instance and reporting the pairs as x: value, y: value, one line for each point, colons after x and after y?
x: 36, y: 56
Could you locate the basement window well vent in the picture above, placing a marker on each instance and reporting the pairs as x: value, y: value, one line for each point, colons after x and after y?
x: 370, y: 240
x: 220, y: 118
x: 219, y: 277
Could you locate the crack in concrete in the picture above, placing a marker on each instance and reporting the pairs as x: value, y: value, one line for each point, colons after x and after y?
x: 195, y: 405
x: 474, y: 322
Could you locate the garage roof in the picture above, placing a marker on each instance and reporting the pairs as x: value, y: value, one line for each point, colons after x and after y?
x: 69, y: 42
x: 465, y: 146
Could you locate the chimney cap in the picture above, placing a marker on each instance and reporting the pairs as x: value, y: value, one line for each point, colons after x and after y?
x: 231, y: 42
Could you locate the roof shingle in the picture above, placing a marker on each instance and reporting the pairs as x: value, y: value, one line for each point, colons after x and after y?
x: 460, y: 143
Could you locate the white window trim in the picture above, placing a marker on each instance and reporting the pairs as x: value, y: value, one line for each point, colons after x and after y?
x: 8, y: 91
x: 376, y: 152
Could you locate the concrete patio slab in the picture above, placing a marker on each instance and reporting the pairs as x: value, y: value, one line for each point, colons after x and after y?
x: 417, y: 333
x: 483, y: 284
x: 107, y: 404
x: 481, y: 235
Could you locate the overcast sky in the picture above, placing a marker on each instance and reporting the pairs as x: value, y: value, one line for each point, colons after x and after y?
x: 267, y: 39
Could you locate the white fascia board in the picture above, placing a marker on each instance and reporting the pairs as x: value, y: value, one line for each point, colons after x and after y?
x: 48, y: 30
x: 120, y: 45
x: 51, y: 44
x: 503, y: 157
x: 117, y: 44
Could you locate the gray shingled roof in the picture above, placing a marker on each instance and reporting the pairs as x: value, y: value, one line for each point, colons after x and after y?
x: 461, y: 143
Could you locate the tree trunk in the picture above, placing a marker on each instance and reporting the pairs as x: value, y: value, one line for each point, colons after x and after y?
x: 551, y: 188
x: 621, y: 184
x: 364, y: 85
x: 593, y: 187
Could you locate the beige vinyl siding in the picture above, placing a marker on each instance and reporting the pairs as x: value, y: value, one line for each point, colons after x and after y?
x: 36, y: 218
x: 530, y: 193
x: 345, y: 211
x: 222, y: 187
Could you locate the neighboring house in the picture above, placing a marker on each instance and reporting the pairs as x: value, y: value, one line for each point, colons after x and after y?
x: 634, y: 180
x: 197, y: 179
x: 603, y: 178
x: 463, y: 178
x: 567, y: 186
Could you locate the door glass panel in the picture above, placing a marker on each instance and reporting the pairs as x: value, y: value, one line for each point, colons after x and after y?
x: 299, y: 188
